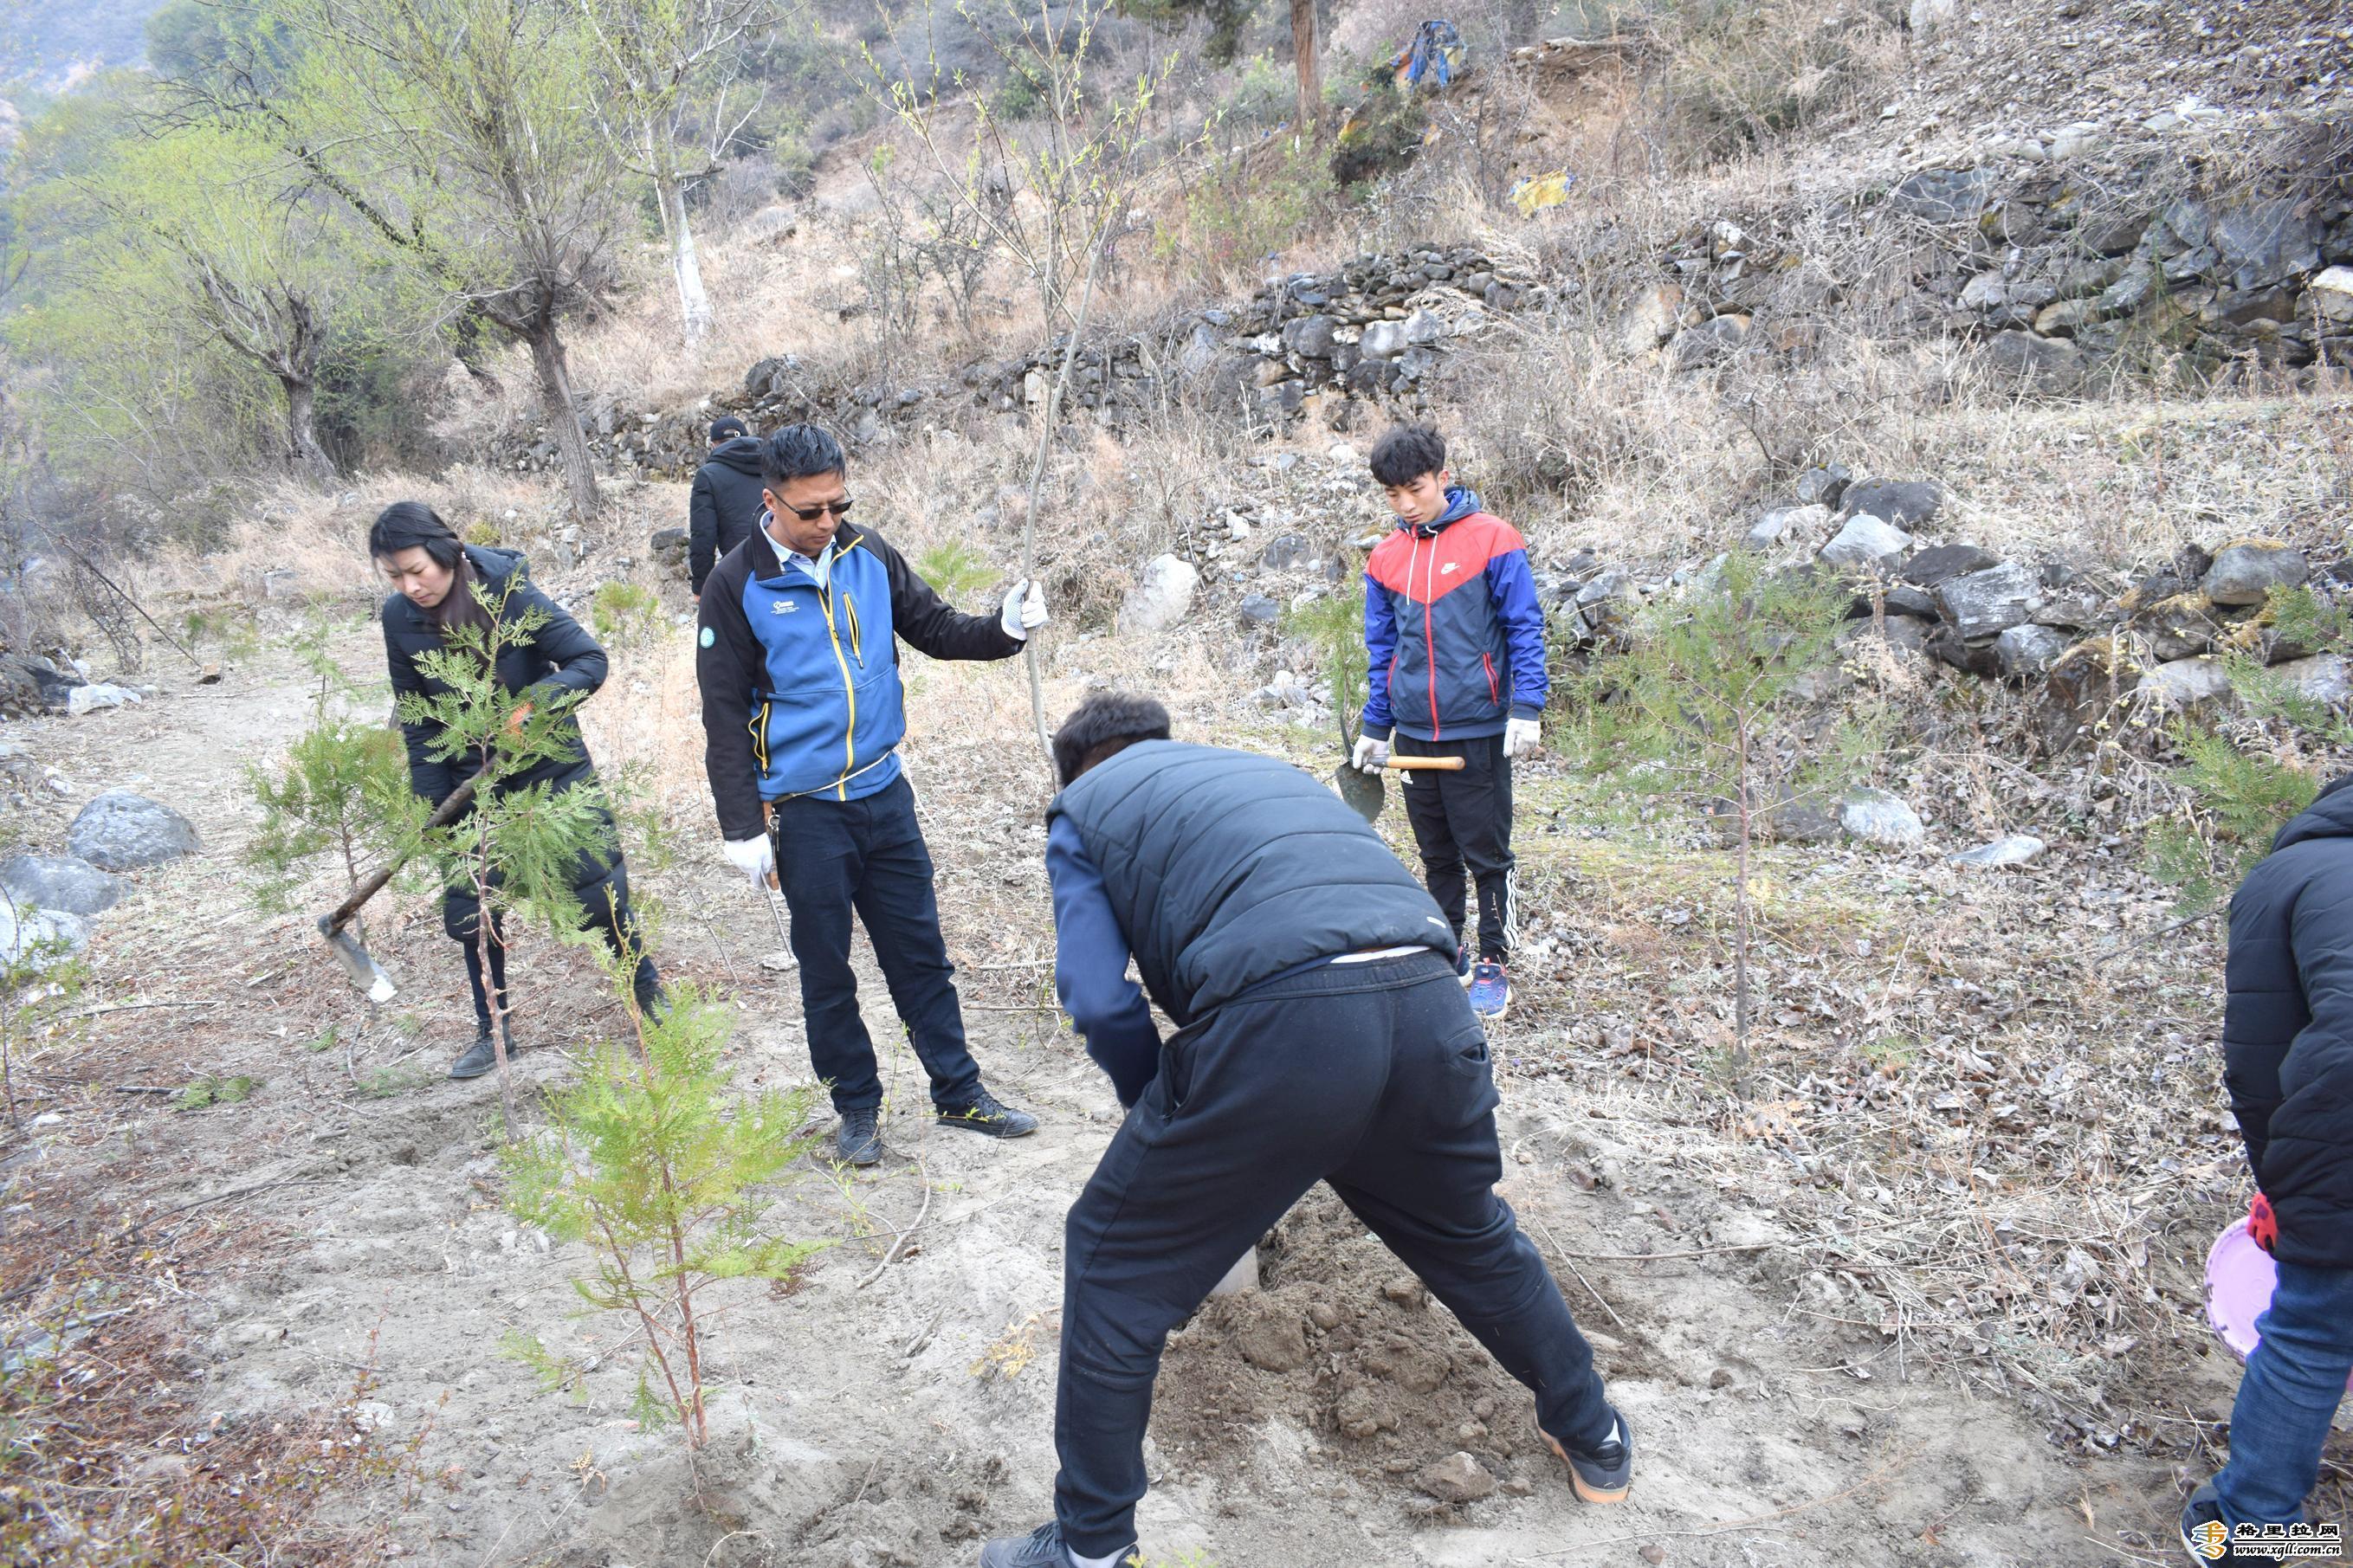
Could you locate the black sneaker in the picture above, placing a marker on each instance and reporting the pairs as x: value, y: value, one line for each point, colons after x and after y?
x: 479, y: 1057
x: 983, y: 1113
x: 859, y: 1141
x: 1042, y: 1547
x: 1601, y: 1473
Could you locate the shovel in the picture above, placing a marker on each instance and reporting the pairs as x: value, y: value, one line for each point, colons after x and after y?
x: 1364, y: 792
x: 365, y: 972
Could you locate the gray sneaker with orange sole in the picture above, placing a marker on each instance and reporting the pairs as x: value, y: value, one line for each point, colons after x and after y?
x: 1603, y: 1472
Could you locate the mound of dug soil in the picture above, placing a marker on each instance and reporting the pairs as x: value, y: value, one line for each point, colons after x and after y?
x: 1343, y: 1343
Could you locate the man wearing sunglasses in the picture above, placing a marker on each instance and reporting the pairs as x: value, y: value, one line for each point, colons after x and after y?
x: 797, y: 661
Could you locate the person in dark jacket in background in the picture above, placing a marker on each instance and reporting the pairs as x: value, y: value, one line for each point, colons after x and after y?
x: 2287, y: 1054
x: 1320, y: 1036
x: 1455, y: 667
x: 802, y: 716
x: 724, y: 506
x: 434, y: 577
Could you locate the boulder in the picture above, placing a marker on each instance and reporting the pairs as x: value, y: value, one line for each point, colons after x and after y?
x: 2010, y: 850
x: 668, y: 546
x: 1285, y: 550
x: 1975, y: 658
x: 1986, y: 604
x: 2080, y: 684
x: 1456, y: 1479
x: 1943, y: 196
x: 1771, y: 528
x: 40, y: 938
x: 2245, y: 571
x: 1986, y: 292
x: 2332, y: 294
x: 1718, y: 337
x: 64, y: 882
x: 1259, y: 612
x: 2042, y: 364
x: 1878, y: 817
x: 1649, y: 317
x: 1824, y: 485
x: 1310, y: 337
x: 2268, y: 242
x: 1423, y: 328
x: 1383, y: 340
x: 2185, y: 683
x: 1938, y: 561
x: 119, y: 831
x: 2320, y: 679
x: 2182, y: 627
x: 1866, y: 542
x: 96, y: 695
x: 2029, y: 650
x: 1907, y: 503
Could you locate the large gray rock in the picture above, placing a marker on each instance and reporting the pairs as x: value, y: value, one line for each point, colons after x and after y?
x: 1944, y: 196
x: 1878, y: 817
x: 119, y: 831
x: 1906, y: 503
x: 1285, y: 550
x: 1784, y: 522
x: 1310, y: 337
x: 2186, y: 683
x: 2245, y: 572
x: 1938, y: 561
x: 1824, y: 485
x: 2029, y: 650
x: 1258, y: 611
x: 2041, y: 364
x: 2010, y: 850
x: 1866, y: 542
x: 40, y: 938
x: 2321, y: 678
x: 1383, y: 340
x: 59, y: 882
x: 2268, y: 242
x: 1424, y: 329
x: 1989, y: 603
x: 1162, y: 595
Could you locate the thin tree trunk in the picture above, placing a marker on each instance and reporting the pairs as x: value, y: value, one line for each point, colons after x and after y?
x: 562, y: 419
x: 303, y: 453
x: 1740, y: 999
x: 685, y: 262
x: 1307, y: 48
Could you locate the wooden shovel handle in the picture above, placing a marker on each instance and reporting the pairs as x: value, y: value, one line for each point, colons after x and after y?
x: 447, y: 812
x: 1397, y: 764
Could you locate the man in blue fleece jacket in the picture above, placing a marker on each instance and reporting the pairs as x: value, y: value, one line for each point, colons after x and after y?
x: 1320, y: 1038
x: 1455, y: 646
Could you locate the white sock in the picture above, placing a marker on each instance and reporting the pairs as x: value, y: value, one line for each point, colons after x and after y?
x: 1111, y: 1561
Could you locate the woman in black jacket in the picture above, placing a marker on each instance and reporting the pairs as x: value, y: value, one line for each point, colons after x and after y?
x: 435, y: 577
x: 2287, y: 1050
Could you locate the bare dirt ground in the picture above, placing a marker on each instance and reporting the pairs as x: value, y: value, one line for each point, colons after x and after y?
x: 1932, y: 1306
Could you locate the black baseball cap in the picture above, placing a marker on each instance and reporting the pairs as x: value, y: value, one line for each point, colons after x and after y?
x: 726, y: 428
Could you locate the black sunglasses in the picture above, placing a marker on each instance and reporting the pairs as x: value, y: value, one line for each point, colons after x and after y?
x: 839, y: 508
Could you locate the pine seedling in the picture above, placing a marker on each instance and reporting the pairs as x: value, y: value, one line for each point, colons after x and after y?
x: 1690, y: 711
x: 662, y: 1170
x: 515, y: 848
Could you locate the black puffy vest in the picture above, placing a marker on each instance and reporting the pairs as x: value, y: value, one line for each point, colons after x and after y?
x: 1226, y: 869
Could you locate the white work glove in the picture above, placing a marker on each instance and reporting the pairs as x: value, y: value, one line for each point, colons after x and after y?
x: 756, y: 857
x: 1024, y: 610
x: 1370, y: 755
x: 1521, y: 737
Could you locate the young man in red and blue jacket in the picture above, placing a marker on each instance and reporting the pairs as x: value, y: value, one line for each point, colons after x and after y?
x: 1456, y: 645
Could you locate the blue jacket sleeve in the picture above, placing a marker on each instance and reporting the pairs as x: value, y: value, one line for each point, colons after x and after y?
x: 1513, y: 587
x: 1380, y: 647
x: 1091, y: 968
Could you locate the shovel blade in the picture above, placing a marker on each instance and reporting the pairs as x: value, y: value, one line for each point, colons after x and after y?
x: 1362, y: 791
x: 365, y: 972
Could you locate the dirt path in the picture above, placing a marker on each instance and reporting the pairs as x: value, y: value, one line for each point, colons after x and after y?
x: 866, y: 1418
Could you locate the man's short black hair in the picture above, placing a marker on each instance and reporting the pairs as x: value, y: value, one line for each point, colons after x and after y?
x: 1408, y: 452
x: 1103, y: 725
x: 798, y: 452
x: 726, y: 428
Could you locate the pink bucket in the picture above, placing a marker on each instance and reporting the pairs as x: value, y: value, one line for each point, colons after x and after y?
x: 2240, y: 1277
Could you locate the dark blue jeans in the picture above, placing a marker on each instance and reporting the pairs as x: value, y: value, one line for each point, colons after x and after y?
x: 835, y: 856
x: 1371, y: 1077
x: 2291, y: 1390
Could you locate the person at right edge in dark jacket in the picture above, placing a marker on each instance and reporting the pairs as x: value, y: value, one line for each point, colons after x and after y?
x: 1455, y: 646
x: 2287, y: 1052
x: 723, y: 505
x: 1320, y: 1036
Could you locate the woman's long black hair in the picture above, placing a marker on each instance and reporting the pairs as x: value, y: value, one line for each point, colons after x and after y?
x: 413, y: 525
